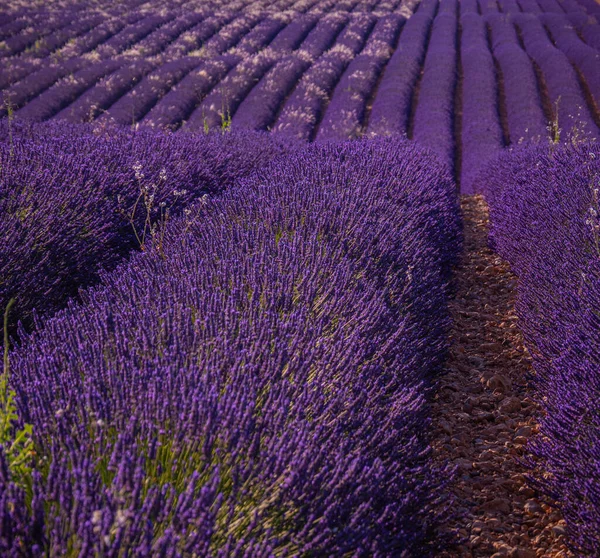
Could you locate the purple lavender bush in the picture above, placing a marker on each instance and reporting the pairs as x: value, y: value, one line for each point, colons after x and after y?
x: 121, y: 185
x: 256, y: 386
x: 544, y: 203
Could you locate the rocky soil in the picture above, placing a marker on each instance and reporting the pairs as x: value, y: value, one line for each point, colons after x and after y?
x: 484, y: 414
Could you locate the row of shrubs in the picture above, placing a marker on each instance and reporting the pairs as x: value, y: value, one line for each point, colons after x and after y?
x: 544, y: 201
x: 254, y: 382
x: 74, y: 201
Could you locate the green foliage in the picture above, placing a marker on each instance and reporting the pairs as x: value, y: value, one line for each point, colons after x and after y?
x: 11, y: 114
x: 17, y: 443
x: 225, y: 119
x: 553, y: 127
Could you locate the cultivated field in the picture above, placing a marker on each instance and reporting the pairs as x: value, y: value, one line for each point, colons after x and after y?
x: 312, y: 278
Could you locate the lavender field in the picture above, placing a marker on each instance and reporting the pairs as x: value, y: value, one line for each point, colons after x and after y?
x: 300, y: 278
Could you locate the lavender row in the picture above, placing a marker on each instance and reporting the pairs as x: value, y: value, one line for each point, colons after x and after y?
x: 194, y: 38
x: 481, y: 132
x: 590, y: 7
x: 36, y: 42
x: 52, y: 22
x: 590, y: 32
x: 345, y: 115
x: 260, y: 108
x: 304, y: 108
x: 550, y: 7
x: 68, y: 35
x: 134, y: 105
x: 166, y: 35
x: 64, y: 92
x: 545, y: 210
x: 98, y: 35
x: 55, y: 239
x: 569, y: 105
x: 106, y: 92
x: 509, y: 6
x: 179, y: 103
x: 231, y: 34
x: 256, y: 386
x: 131, y: 34
x: 525, y: 118
x: 572, y: 7
x: 392, y: 105
x: 273, y: 39
x: 583, y: 57
x: 301, y: 6
x: 434, y: 116
x: 39, y: 81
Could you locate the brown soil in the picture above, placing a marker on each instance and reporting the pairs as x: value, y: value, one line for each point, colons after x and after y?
x: 484, y: 415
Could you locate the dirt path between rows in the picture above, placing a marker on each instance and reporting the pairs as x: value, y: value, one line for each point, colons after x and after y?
x: 483, y: 415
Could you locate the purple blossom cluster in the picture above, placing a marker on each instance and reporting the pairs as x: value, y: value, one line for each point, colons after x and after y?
x: 481, y: 133
x: 544, y: 204
x: 120, y: 185
x: 256, y: 387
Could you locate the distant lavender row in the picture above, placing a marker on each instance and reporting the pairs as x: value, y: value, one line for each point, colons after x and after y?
x: 305, y: 107
x: 545, y: 214
x: 569, y: 105
x: 481, y: 133
x: 345, y: 115
x: 260, y: 108
x: 16, y: 9
x: 525, y: 117
x: 585, y: 58
x: 55, y: 238
x: 273, y: 38
x: 392, y: 104
x: 433, y: 124
x: 256, y: 386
